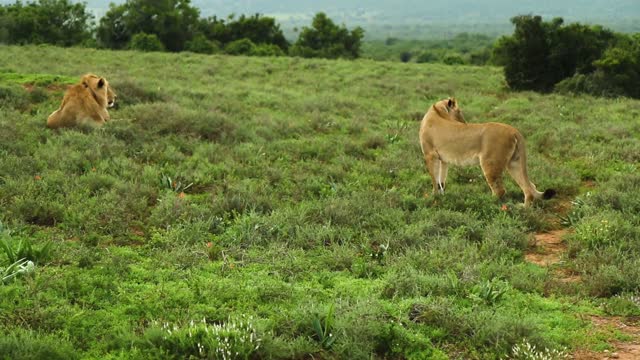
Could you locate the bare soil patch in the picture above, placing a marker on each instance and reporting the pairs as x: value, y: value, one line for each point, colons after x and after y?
x: 548, y: 249
x: 623, y: 351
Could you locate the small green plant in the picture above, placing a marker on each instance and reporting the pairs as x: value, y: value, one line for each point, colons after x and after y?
x: 455, y: 285
x: 324, y: 329
x: 489, y: 292
x: 377, y: 251
x: 22, y: 266
x: 174, y: 185
x: 622, y: 305
x: 233, y: 339
x: 576, y: 214
x: 526, y: 351
x: 25, y: 250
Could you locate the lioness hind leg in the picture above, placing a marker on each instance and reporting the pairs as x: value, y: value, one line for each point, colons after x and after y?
x: 493, y: 174
x: 519, y: 174
x: 436, y: 169
x: 53, y: 119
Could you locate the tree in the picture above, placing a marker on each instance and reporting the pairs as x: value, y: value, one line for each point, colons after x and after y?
x: 540, y: 54
x: 174, y: 22
x: 525, y: 55
x: 113, y: 32
x: 259, y: 29
x: 617, y: 72
x: 57, y: 22
x: 619, y: 68
x: 327, y: 40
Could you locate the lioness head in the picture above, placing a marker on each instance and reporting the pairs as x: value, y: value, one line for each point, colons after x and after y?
x: 100, y: 88
x: 111, y: 97
x: 449, y: 109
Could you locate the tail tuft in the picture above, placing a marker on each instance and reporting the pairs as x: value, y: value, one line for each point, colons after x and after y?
x: 548, y: 194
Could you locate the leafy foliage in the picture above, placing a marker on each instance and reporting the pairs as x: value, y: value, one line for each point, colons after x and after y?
x: 146, y: 42
x: 578, y: 58
x: 258, y: 29
x: 327, y: 40
x: 58, y: 22
x: 324, y: 329
x: 173, y: 21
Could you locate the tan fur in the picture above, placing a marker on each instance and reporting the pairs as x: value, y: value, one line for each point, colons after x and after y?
x: 446, y: 138
x: 85, y: 103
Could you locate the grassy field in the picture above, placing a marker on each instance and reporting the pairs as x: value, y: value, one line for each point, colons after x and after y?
x: 279, y: 208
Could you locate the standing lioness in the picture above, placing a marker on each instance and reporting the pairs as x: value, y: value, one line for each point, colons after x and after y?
x: 446, y: 138
x: 85, y: 103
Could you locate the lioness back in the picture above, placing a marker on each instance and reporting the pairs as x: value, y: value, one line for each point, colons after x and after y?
x: 84, y: 103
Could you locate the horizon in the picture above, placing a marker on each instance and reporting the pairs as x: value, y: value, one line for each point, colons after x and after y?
x: 411, y: 18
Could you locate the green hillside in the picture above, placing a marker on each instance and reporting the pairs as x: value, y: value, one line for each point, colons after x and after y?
x: 260, y: 208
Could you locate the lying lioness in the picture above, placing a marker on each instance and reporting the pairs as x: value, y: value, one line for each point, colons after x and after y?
x: 85, y: 103
x: 446, y: 138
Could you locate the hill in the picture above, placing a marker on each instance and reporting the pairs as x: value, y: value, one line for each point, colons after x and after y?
x: 279, y: 208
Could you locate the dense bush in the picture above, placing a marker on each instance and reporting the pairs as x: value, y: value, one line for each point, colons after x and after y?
x: 327, y: 40
x: 146, y: 42
x: 200, y: 44
x: 178, y: 26
x: 174, y: 22
x: 259, y: 29
x: 58, y: 22
x: 240, y: 47
x: 542, y: 55
x: 617, y: 73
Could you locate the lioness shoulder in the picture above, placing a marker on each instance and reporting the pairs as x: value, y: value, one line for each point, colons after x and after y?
x: 85, y: 103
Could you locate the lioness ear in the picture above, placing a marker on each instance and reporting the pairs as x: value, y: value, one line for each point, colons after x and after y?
x: 451, y: 102
x: 101, y: 82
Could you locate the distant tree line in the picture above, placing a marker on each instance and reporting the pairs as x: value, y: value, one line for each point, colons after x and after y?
x: 170, y: 25
x: 539, y: 55
x: 461, y: 49
x: 548, y: 55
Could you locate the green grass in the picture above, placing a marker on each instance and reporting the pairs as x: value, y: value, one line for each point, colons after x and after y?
x: 307, y: 209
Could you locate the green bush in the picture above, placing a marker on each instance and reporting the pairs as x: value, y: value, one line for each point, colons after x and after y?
x: 453, y: 59
x: 540, y: 54
x: 427, y: 57
x: 267, y: 50
x: 146, y: 42
x: 240, y: 47
x: 31, y: 345
x: 327, y: 40
x: 234, y: 338
x: 14, y: 97
x: 57, y: 22
x: 170, y: 24
x: 200, y: 44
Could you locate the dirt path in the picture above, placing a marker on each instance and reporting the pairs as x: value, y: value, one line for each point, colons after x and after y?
x: 549, y: 248
x: 623, y: 350
x: 547, y: 251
